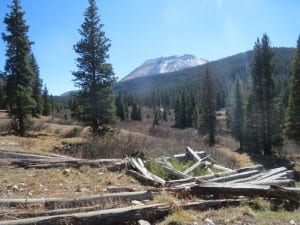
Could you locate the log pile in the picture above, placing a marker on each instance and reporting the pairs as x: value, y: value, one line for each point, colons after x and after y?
x: 253, y: 175
x: 219, y: 187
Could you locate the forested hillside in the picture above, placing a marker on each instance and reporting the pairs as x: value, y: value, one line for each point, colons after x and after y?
x: 225, y: 70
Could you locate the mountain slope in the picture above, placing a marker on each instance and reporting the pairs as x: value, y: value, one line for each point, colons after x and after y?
x: 225, y: 70
x: 164, y: 65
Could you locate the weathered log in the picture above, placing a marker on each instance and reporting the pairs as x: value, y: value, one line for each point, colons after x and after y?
x: 171, y: 183
x: 23, y: 155
x: 143, y: 179
x: 235, y: 176
x: 192, y: 153
x: 122, y: 215
x: 52, y: 203
x: 273, y: 172
x: 70, y: 163
x: 281, y: 182
x: 173, y: 172
x: 248, y: 190
x: 108, y: 216
x: 223, y: 174
x: 142, y: 169
x: 186, y: 156
x: 198, y: 158
x: 116, y: 189
x: 194, y: 166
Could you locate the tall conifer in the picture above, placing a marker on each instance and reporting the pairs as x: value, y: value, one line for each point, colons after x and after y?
x: 293, y: 111
x: 18, y: 69
x: 208, y: 114
x: 261, y: 99
x: 237, y: 114
x: 94, y: 76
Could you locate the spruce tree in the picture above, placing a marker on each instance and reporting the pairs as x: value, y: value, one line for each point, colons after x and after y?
x: 120, y: 107
x: 261, y: 99
x: 135, y: 112
x: 37, y: 85
x: 94, y: 76
x: 2, y: 91
x: 293, y: 111
x: 46, y: 102
x: 177, y: 110
x: 18, y: 69
x: 237, y: 114
x: 207, y: 121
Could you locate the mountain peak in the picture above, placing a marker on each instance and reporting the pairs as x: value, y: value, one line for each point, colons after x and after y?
x: 165, y: 65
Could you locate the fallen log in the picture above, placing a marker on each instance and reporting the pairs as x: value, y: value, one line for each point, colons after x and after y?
x: 53, y: 203
x: 69, y: 163
x: 122, y: 215
x: 24, y: 155
x: 235, y: 176
x: 247, y: 190
x: 192, y: 153
x: 195, y: 166
x: 273, y: 172
x: 173, y: 172
x: 185, y: 156
x: 281, y: 182
x: 143, y: 179
x: 107, y: 216
x: 139, y: 165
x: 171, y: 183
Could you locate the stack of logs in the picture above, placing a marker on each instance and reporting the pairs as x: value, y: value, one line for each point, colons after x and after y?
x: 225, y: 188
x: 247, y: 176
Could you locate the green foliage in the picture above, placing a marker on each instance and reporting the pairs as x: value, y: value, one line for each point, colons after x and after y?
x: 181, y: 165
x: 18, y: 69
x: 94, y: 76
x: 261, y: 99
x: 136, y: 113
x: 121, y: 107
x: 237, y: 114
x: 2, y: 91
x: 293, y: 111
x: 157, y: 118
x: 207, y: 122
x: 46, y: 102
x: 156, y: 169
x: 36, y: 87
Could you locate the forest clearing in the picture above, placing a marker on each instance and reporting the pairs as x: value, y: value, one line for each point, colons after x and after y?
x: 30, y: 188
x: 180, y: 140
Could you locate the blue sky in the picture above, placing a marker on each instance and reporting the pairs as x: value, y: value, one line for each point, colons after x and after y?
x: 144, y: 29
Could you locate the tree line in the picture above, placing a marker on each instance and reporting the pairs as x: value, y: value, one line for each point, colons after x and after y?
x: 254, y: 106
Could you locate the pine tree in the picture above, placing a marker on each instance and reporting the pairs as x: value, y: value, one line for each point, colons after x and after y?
x: 293, y: 111
x: 237, y: 114
x: 177, y: 110
x: 157, y: 118
x: 207, y: 121
x: 37, y: 85
x: 18, y: 69
x: 120, y: 107
x: 46, y: 102
x: 2, y: 91
x: 76, y: 110
x: 165, y: 114
x: 95, y: 76
x: 135, y: 112
x: 261, y: 99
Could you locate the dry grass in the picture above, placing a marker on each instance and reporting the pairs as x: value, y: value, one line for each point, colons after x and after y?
x: 39, y: 183
x: 235, y: 215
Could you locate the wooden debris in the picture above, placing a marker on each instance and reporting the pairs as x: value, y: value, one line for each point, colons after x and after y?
x: 121, y: 215
x: 53, y: 203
